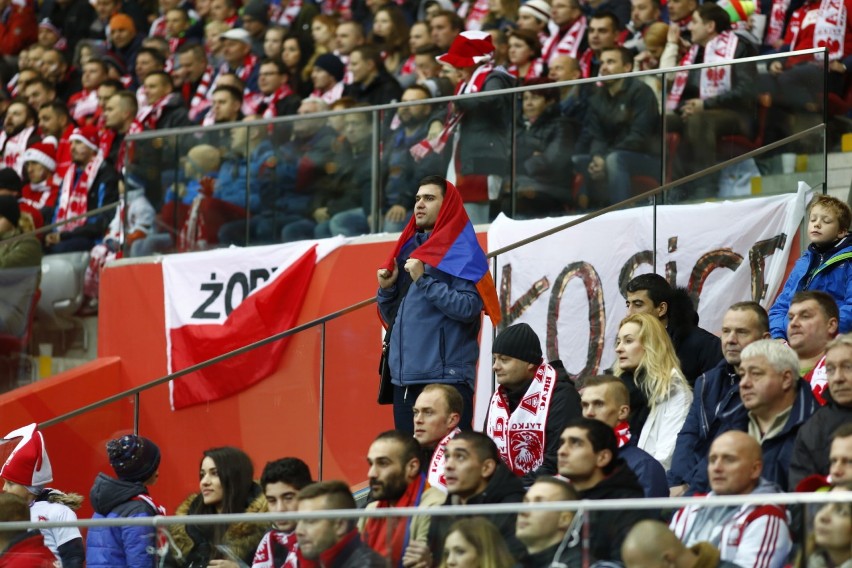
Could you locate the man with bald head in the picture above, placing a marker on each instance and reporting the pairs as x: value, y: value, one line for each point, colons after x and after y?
x: 650, y: 544
x: 747, y: 535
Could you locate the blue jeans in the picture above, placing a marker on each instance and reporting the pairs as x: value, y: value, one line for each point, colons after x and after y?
x: 620, y: 166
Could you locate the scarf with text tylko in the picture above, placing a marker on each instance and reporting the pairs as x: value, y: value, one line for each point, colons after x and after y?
x: 520, y: 437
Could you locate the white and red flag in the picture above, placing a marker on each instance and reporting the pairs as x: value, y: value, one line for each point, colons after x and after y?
x: 221, y: 300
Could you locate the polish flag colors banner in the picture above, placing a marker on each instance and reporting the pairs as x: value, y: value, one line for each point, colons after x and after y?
x: 221, y: 300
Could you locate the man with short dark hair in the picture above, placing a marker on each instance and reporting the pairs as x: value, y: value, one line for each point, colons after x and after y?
x: 119, y: 121
x: 227, y: 102
x: 697, y: 349
x: 588, y: 457
x: 550, y: 537
x: 83, y: 105
x: 166, y: 109
x: 278, y: 98
x: 817, y: 438
x: 623, y: 131
x: 570, y: 37
x: 435, y: 312
x: 40, y: 92
x: 477, y: 476
x: 643, y: 13
x: 333, y: 542
x: 196, y: 79
x: 716, y: 400
x: 530, y: 406
x: 54, y: 120
x: 281, y: 482
x: 747, y: 535
x: 840, y: 455
x: 396, y: 480
x: 444, y: 27
x: 371, y: 83
x: 605, y: 398
x: 604, y: 28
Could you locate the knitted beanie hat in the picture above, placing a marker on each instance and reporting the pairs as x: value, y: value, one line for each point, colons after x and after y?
x: 133, y: 458
x: 519, y: 341
x: 10, y: 180
x: 332, y: 65
x: 10, y: 209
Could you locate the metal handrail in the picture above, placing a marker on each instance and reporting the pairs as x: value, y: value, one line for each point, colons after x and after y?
x: 188, y: 130
x: 652, y: 503
x: 368, y: 301
x: 49, y: 228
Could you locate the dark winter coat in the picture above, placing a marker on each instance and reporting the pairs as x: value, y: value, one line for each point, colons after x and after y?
x: 813, y: 442
x: 697, y: 350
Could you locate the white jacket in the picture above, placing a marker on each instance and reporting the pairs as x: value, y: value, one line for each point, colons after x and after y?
x: 660, y: 431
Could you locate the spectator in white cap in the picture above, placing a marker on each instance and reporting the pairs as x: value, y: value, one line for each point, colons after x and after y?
x: 26, y: 474
x: 91, y: 184
x: 238, y: 58
x: 535, y: 17
x: 478, y: 129
x: 42, y: 190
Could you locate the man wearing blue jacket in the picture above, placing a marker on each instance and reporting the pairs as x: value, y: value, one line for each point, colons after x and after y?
x: 717, y: 399
x: 435, y: 319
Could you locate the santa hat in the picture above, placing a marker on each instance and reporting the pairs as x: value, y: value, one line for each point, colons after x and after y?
x: 28, y: 464
x: 468, y: 49
x: 42, y: 153
x: 88, y: 135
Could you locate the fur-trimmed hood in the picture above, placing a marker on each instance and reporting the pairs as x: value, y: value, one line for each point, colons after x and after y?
x: 242, y: 538
x: 71, y: 500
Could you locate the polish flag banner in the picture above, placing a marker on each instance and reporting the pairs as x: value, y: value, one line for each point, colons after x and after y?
x: 221, y: 300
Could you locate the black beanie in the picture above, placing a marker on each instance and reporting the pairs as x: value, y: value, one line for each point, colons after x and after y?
x: 332, y: 65
x: 10, y: 180
x: 519, y: 341
x: 133, y: 458
x: 10, y: 209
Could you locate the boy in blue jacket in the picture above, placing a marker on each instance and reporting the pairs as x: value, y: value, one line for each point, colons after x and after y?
x: 825, y: 265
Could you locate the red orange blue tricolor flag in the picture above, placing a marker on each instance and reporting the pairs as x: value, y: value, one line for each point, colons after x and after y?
x: 452, y: 248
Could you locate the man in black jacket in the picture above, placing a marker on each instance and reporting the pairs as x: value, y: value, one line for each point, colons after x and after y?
x: 623, y: 128
x: 697, y: 350
x: 531, y: 405
x: 550, y: 536
x: 588, y: 458
x: 476, y: 476
x: 371, y: 83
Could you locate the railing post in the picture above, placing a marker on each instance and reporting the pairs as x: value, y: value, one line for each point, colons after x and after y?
x: 321, y: 399
x: 136, y: 402
x: 375, y: 206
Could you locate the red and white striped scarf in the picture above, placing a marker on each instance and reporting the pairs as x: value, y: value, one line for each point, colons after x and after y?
x: 244, y: 71
x: 150, y: 116
x: 622, y: 433
x: 272, y: 100
x: 287, y: 15
x: 201, y: 98
x: 585, y: 63
x: 14, y: 147
x: 74, y: 198
x: 108, y: 139
x: 714, y: 80
x: 474, y: 15
x: 775, y: 28
x: 520, y: 437
x: 439, y: 459
x: 40, y: 195
x: 158, y: 27
x: 439, y: 142
x: 818, y: 379
x: 535, y: 70
x: 330, y: 95
x: 568, y: 44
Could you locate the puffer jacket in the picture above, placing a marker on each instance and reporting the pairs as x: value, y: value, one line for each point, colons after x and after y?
x: 828, y: 271
x: 117, y: 547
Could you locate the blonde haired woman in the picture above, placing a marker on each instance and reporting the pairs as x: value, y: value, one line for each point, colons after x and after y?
x: 659, y: 394
x: 475, y: 543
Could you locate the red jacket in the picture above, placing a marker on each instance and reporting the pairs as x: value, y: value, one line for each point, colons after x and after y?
x: 18, y: 29
x: 27, y: 551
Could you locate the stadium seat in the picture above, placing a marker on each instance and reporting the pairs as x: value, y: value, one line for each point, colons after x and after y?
x: 62, y: 291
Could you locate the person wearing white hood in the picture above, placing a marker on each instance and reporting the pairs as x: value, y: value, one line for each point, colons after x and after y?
x: 26, y: 473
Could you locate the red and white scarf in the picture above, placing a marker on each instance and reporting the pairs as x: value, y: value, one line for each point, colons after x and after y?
x: 568, y: 44
x: 40, y: 195
x: 520, y: 437
x: 622, y: 433
x: 714, y: 80
x: 439, y: 142
x: 14, y: 148
x: 200, y: 100
x: 158, y: 27
x: 818, y: 379
x: 264, y: 557
x: 408, y: 68
x: 474, y: 14
x: 108, y: 139
x: 150, y: 116
x: 830, y: 29
x: 272, y: 100
x: 83, y: 105
x: 585, y: 63
x: 535, y: 70
x: 330, y: 95
x: 341, y: 7
x: 74, y: 198
x: 439, y: 460
x: 244, y: 71
x: 775, y: 27
x: 389, y: 536
x: 287, y: 15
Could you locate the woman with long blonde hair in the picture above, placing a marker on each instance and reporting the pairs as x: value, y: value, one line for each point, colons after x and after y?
x: 659, y: 394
